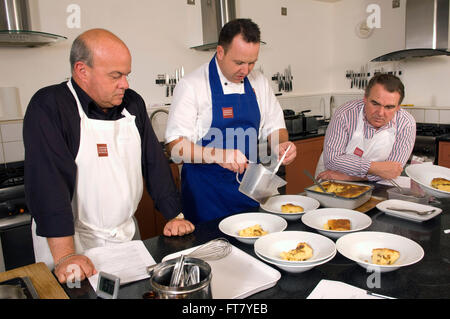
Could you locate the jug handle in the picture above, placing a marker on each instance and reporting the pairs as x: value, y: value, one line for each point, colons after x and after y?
x: 237, y: 174
x: 237, y: 177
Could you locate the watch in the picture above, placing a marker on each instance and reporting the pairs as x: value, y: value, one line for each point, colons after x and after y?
x: 180, y: 216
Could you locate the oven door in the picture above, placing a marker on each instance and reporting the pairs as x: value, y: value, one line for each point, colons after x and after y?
x: 16, y: 242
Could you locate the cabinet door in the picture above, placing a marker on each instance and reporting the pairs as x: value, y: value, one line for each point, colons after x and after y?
x: 308, y: 154
x: 151, y: 221
x: 444, y: 154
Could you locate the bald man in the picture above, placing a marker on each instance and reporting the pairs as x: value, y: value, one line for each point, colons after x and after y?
x: 88, y: 146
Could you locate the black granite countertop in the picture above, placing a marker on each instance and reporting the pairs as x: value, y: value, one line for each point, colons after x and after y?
x: 320, y: 132
x: 443, y: 138
x: 429, y: 278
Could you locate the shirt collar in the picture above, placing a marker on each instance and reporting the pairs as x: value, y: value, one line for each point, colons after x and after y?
x: 91, y: 108
x: 224, y: 81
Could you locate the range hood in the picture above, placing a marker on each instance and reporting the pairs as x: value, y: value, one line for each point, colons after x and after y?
x: 15, y: 27
x: 426, y: 28
x: 215, y: 14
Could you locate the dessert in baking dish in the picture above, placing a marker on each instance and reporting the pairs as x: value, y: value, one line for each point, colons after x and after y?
x: 384, y: 256
x: 252, y: 231
x: 343, y: 189
x: 441, y: 184
x: 291, y: 208
x: 337, y: 224
x: 301, y: 253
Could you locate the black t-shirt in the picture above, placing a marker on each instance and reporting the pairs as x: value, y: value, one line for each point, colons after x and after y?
x: 51, y: 134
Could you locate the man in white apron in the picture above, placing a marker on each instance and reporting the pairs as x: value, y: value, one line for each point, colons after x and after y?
x: 109, y: 159
x: 369, y: 139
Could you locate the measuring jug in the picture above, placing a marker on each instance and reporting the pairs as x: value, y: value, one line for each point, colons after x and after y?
x: 259, y: 183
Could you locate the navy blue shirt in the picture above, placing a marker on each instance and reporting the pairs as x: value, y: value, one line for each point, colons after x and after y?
x: 51, y: 134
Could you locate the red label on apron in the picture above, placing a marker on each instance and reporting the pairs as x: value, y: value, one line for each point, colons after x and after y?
x: 102, y: 150
x: 358, y: 152
x: 227, y: 112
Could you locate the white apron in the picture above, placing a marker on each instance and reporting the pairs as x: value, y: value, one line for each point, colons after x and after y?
x: 375, y: 149
x: 108, y: 184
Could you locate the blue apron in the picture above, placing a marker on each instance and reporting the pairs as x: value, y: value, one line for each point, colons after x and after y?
x: 210, y: 191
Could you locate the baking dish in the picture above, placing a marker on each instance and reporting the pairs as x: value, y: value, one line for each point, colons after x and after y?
x: 335, y: 201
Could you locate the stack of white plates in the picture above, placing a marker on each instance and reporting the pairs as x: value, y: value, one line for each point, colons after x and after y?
x: 270, y: 247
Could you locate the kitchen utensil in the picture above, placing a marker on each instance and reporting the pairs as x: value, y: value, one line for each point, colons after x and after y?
x: 213, y: 250
x: 259, y: 183
x: 162, y: 274
x: 177, y: 272
x: 400, y: 189
x: 275, y: 170
x: 426, y: 212
x: 314, y: 180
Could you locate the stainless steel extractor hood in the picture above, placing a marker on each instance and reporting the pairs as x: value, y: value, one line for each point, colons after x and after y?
x: 426, y: 30
x: 215, y: 14
x: 15, y: 27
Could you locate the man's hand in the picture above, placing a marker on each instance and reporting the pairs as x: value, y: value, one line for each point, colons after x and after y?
x: 66, y: 272
x: 386, y: 170
x: 233, y: 160
x: 178, y: 227
x: 291, y: 154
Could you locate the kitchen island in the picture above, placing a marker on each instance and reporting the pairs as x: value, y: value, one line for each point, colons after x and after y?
x: 429, y: 278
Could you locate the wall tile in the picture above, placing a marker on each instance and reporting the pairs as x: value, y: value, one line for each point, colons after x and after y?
x: 14, y: 151
x: 419, y: 115
x: 431, y: 116
x: 11, y: 131
x: 444, y: 116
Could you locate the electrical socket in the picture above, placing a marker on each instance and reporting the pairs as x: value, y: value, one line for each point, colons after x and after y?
x: 395, y: 4
x: 283, y: 11
x: 191, y: 2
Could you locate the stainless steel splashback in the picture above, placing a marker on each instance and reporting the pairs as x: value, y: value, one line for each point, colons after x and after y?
x: 215, y: 14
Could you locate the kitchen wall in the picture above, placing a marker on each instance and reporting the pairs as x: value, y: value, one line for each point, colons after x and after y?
x: 426, y: 79
x: 316, y: 38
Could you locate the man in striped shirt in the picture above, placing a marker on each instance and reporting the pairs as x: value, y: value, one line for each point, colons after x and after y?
x: 369, y: 139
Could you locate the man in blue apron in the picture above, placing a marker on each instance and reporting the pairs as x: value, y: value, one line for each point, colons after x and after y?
x: 217, y: 115
x: 88, y: 145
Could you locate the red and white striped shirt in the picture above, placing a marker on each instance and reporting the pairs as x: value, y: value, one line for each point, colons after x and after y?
x: 340, y: 131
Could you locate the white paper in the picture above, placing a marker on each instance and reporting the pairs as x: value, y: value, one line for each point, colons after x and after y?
x: 237, y: 275
x: 402, y: 181
x: 329, y: 289
x: 128, y: 261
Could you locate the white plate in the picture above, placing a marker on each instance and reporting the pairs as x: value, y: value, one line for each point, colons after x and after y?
x: 272, y: 245
x: 358, y: 247
x: 423, y: 174
x: 396, y: 203
x: 268, y: 222
x: 238, y: 275
x: 318, y: 218
x: 273, y: 205
x: 295, y: 268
